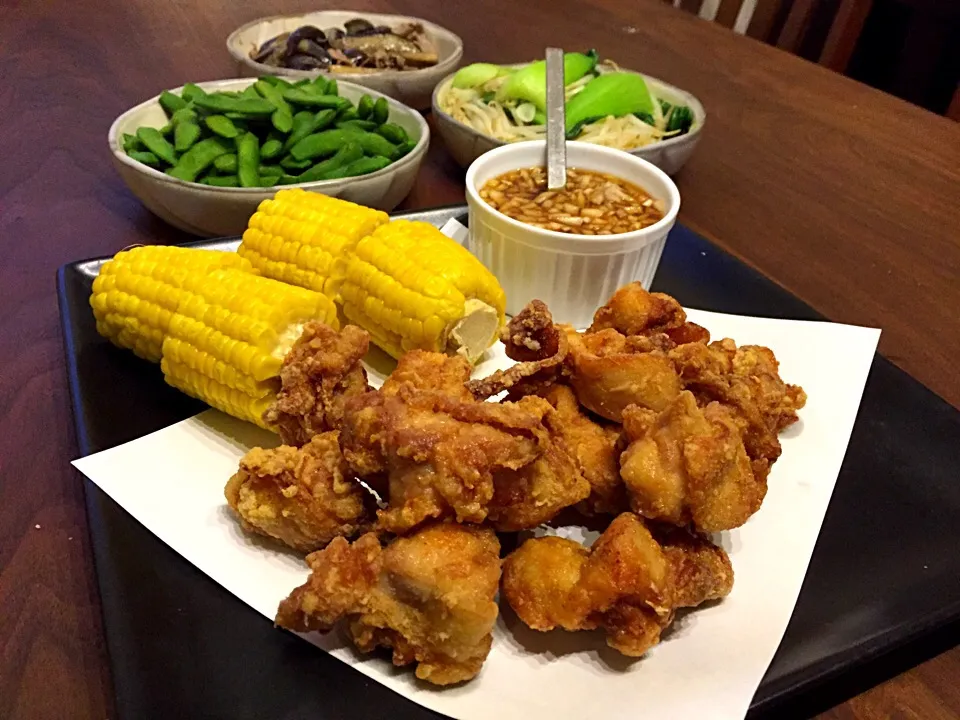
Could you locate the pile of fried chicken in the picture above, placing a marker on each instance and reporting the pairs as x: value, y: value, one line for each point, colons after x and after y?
x: 640, y: 422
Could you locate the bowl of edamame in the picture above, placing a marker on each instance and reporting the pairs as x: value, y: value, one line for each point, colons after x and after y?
x: 203, y: 156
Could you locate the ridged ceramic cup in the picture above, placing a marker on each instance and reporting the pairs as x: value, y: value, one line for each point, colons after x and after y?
x: 572, y: 274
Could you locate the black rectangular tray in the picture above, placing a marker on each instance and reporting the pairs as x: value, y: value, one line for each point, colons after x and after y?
x: 882, y: 591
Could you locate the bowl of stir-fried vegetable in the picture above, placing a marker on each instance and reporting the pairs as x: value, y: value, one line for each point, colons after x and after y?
x: 483, y: 106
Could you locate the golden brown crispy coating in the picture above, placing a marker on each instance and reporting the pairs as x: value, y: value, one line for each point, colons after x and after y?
x: 747, y: 380
x: 429, y: 597
x: 688, y: 465
x: 302, y: 497
x: 628, y: 583
x: 423, y: 370
x: 634, y: 311
x: 631, y: 310
x: 540, y: 349
x: 321, y: 371
x: 596, y: 446
x: 610, y: 371
x: 446, y: 457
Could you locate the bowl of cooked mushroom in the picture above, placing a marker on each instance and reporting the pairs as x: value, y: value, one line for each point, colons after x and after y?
x: 400, y: 56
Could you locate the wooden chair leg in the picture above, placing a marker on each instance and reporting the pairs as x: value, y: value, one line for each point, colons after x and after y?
x: 795, y: 26
x: 953, y: 112
x: 844, y: 34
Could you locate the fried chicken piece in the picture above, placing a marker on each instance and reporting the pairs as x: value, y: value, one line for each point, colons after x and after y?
x: 423, y: 370
x: 634, y: 311
x: 445, y: 457
x: 302, y: 497
x: 746, y: 379
x: 627, y: 583
x: 596, y: 446
x: 540, y: 349
x: 610, y: 371
x: 321, y: 371
x: 688, y: 465
x: 429, y: 597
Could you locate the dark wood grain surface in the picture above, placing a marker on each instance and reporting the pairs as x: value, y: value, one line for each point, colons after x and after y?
x: 848, y: 198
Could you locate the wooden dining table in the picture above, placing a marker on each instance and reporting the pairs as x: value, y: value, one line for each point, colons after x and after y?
x: 846, y: 197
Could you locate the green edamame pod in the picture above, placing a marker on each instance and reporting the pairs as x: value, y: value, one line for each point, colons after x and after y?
x: 222, y: 126
x: 270, y: 180
x: 267, y: 169
x: 291, y: 163
x: 221, y: 180
x: 394, y: 133
x: 364, y: 125
x: 315, y: 123
x: 363, y: 166
x: 248, y: 160
x: 347, y: 113
x: 184, y: 114
x: 191, y: 92
x: 288, y: 180
x: 198, y: 158
x: 131, y: 143
x: 220, y: 103
x: 226, y: 163
x: 145, y: 157
x: 185, y: 134
x: 332, y: 87
x: 250, y: 92
x: 157, y: 144
x: 306, y: 81
x: 322, y: 143
x: 344, y: 156
x: 282, y: 117
x: 171, y: 103
x: 405, y: 148
x: 299, y: 96
x: 374, y: 144
x: 365, y: 107
x: 381, y: 111
x: 274, y: 80
x: 271, y: 148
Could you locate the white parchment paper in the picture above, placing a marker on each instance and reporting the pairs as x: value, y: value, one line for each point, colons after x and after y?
x: 710, y: 663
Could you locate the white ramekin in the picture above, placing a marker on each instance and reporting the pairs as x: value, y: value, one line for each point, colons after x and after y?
x: 572, y: 274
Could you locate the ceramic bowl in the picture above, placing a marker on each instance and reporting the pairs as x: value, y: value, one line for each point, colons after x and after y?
x: 466, y: 144
x: 572, y: 274
x: 411, y: 87
x: 220, y: 211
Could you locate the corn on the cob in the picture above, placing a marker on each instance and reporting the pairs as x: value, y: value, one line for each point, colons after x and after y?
x: 410, y: 286
x: 137, y: 292
x: 228, y: 338
x: 296, y: 236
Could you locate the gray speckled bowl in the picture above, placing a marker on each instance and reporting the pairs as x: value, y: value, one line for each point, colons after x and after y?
x: 411, y: 87
x: 466, y: 144
x: 219, y: 211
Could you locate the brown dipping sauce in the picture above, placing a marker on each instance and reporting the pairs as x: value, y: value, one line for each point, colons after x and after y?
x: 592, y: 203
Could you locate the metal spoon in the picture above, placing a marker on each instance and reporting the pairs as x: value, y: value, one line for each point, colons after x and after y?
x: 556, y: 121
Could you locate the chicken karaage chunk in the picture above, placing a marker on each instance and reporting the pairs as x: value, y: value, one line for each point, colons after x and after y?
x: 319, y: 373
x: 609, y: 371
x: 303, y: 497
x: 628, y: 583
x: 429, y: 597
x: 747, y: 380
x: 445, y: 457
x: 634, y: 311
x: 688, y: 465
x: 596, y: 445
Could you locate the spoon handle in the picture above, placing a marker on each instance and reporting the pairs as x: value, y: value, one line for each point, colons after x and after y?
x: 556, y: 139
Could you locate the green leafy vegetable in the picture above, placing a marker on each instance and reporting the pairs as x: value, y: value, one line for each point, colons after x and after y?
x: 616, y: 94
x: 529, y: 83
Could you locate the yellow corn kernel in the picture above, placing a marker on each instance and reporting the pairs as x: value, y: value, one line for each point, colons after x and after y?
x: 410, y: 286
x: 297, y: 236
x: 135, y: 293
